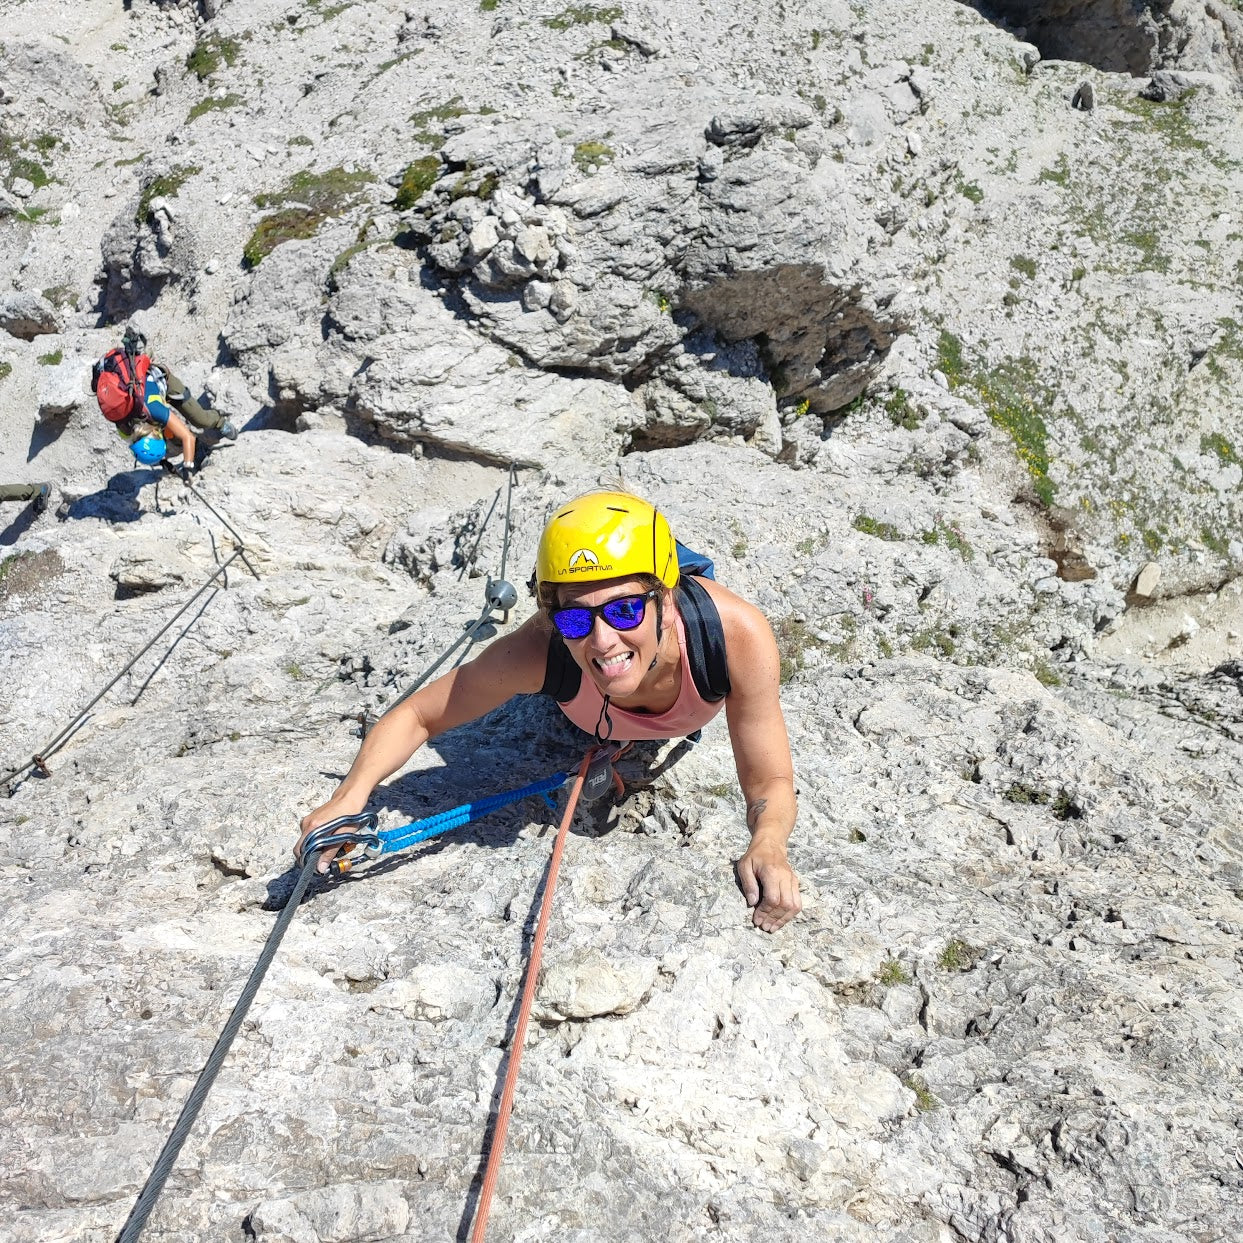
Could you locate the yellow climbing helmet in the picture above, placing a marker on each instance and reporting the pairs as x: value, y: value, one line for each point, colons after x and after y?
x: 606, y: 535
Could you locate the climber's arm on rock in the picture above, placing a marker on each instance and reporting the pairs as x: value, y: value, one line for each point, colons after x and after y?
x: 761, y: 746
x: 177, y: 429
x: 512, y: 665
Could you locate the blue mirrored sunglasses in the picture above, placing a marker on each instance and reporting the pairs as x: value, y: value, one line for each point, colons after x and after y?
x: 624, y: 613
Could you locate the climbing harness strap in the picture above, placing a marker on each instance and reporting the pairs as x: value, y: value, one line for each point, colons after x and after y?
x: 497, y: 1147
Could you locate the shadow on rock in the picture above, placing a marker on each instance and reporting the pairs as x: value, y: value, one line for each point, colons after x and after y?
x: 118, y: 500
x: 18, y: 527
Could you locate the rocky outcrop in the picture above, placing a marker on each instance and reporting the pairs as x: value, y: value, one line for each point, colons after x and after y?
x: 26, y: 315
x: 589, y: 258
x: 149, y: 245
x: 1124, y: 37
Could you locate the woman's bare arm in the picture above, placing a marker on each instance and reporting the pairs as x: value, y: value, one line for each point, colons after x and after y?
x: 761, y: 747
x: 511, y: 665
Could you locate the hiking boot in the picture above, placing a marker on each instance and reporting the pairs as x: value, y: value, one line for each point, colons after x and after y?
x: 227, y: 430
x: 39, y: 504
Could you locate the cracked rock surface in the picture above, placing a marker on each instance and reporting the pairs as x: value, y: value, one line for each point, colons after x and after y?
x: 940, y: 369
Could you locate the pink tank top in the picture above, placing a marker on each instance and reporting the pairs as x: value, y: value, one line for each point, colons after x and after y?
x: 688, y: 713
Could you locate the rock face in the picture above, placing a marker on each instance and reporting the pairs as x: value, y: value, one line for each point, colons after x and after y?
x: 148, y: 245
x: 931, y: 343
x: 27, y: 315
x: 1122, y: 37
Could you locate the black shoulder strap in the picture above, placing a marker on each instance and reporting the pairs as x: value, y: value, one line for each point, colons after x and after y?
x: 561, y: 674
x: 705, y: 640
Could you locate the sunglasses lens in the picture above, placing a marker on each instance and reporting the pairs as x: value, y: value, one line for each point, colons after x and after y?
x: 572, y: 623
x: 624, y: 614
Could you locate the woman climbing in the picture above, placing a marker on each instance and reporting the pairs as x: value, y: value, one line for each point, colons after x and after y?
x: 632, y: 646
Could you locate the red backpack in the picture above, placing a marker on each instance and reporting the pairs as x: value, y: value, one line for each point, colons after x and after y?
x: 118, y: 380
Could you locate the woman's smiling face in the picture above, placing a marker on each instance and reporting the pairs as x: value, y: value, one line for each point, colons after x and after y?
x: 616, y: 660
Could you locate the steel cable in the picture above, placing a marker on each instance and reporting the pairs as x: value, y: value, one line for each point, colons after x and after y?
x: 164, y: 1163
x: 38, y: 761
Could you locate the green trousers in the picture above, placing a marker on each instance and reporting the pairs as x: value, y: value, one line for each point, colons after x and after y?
x: 19, y: 491
x: 181, y: 401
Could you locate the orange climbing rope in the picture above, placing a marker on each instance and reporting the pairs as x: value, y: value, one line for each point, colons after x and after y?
x: 528, y: 995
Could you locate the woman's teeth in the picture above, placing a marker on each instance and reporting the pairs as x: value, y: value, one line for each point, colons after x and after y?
x: 615, y: 663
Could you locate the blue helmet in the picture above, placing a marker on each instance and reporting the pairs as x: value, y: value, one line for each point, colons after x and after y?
x: 149, y: 450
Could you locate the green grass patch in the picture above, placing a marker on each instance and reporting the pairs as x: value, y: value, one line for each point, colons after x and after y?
x: 880, y: 530
x: 1045, y: 674
x: 210, y: 52
x: 1170, y: 120
x: 1021, y: 263
x: 949, y: 535
x: 474, y: 183
x: 333, y: 10
x: 54, y: 359
x: 582, y: 15
x: 428, y: 123
x: 1148, y: 242
x: 892, y: 972
x: 592, y: 153
x: 943, y: 640
x: 301, y: 140
x: 900, y: 411
x: 393, y: 61
x: 1216, y: 443
x: 1014, y: 398
x: 19, y: 164
x: 213, y: 103
x: 488, y: 6
x: 956, y: 956
x: 969, y: 190
x: 1059, y: 174
x: 949, y: 358
x: 32, y: 170
x: 12, y: 562
x: 303, y: 204
x: 6, y: 370
x: 1026, y: 796
x: 165, y: 185
x: 418, y: 178
x: 61, y: 296
x: 925, y: 1102
x: 1214, y: 541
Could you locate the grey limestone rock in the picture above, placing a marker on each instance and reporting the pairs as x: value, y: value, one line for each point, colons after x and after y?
x: 359, y: 1212
x: 1011, y: 1006
x: 1197, y: 35
x: 27, y: 315
x: 141, y: 257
